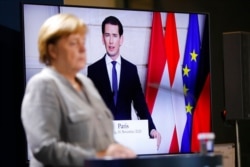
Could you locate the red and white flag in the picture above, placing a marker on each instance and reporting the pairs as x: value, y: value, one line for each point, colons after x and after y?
x: 175, y: 75
x: 164, y: 90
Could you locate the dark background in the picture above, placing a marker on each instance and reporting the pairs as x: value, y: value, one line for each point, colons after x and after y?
x: 225, y: 16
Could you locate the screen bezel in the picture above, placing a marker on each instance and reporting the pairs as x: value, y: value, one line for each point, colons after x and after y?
x: 106, y: 8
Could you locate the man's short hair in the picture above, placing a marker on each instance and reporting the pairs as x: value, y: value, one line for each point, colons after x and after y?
x: 114, y: 21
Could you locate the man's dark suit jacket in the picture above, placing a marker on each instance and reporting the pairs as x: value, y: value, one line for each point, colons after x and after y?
x: 130, y: 90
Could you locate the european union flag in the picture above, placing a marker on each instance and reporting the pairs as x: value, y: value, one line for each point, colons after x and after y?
x: 189, y: 75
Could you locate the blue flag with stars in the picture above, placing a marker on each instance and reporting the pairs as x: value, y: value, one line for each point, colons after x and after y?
x: 189, y: 75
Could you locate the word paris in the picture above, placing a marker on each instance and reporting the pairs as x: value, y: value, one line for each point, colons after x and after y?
x: 129, y: 132
x: 123, y: 126
x: 131, y: 127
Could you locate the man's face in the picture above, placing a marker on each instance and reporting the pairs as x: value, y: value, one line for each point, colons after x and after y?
x: 112, y: 40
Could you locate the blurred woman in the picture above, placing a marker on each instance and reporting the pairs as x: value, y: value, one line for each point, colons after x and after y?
x: 64, y: 117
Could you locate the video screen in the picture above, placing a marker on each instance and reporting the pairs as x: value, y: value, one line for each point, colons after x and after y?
x: 172, y: 56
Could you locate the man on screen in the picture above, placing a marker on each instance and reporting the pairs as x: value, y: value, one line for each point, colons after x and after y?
x: 117, y: 79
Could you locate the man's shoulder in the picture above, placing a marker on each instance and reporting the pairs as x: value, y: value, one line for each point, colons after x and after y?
x: 97, y: 63
x: 127, y: 63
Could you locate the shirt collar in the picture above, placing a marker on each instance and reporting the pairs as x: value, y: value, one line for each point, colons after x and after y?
x: 109, y: 60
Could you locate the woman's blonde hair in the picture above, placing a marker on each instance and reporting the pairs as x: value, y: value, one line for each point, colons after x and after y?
x: 53, y: 29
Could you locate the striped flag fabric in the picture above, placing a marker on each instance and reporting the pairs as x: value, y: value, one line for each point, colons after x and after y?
x: 202, y: 111
x: 201, y: 116
x: 157, y: 92
x: 175, y: 78
x: 166, y: 100
x: 172, y: 82
x: 156, y: 60
x: 192, y: 75
x: 189, y: 73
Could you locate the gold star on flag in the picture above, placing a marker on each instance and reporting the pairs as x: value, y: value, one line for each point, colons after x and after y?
x: 189, y: 108
x: 193, y: 55
x: 185, y: 90
x: 185, y: 71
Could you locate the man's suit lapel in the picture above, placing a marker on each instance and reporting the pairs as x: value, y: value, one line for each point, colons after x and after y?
x: 122, y: 76
x: 106, y: 82
x: 103, y: 74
